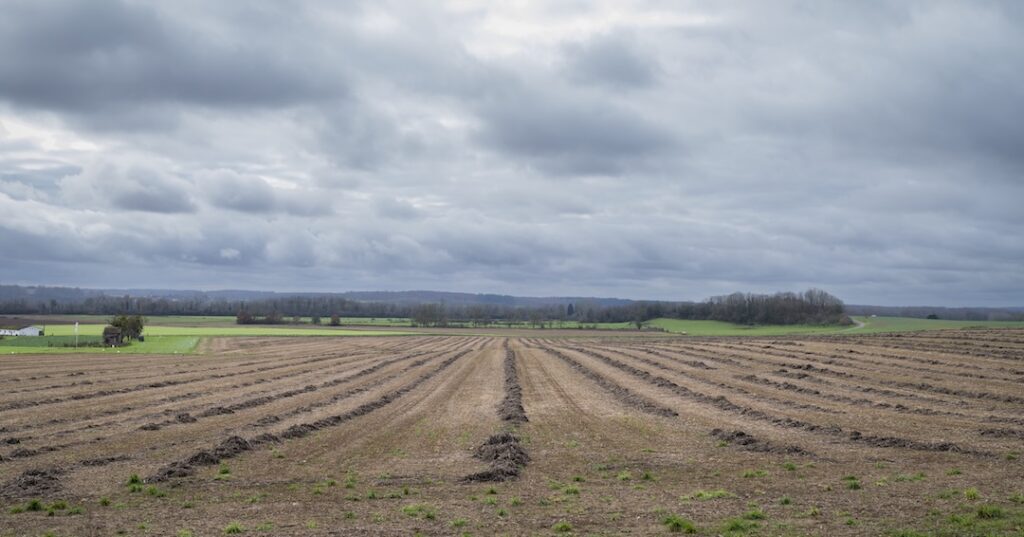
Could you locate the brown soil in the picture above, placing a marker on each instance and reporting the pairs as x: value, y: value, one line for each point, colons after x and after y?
x: 511, y: 435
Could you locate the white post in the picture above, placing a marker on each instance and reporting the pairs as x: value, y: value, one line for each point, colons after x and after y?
x: 76, y: 334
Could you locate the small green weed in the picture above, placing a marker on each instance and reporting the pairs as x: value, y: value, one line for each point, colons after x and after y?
x: 755, y: 514
x: 155, y: 492
x: 738, y: 525
x: 903, y: 478
x: 562, y: 527
x: 704, y: 495
x: 678, y: 524
x: 988, y: 511
x: 420, y: 510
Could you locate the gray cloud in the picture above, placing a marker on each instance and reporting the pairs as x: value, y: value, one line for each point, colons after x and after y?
x: 562, y: 135
x: 648, y: 149
x: 611, y: 60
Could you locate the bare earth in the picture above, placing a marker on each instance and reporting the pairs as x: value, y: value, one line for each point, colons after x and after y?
x: 842, y: 435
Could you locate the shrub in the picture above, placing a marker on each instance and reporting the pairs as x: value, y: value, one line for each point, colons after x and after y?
x: 562, y: 526
x: 233, y: 528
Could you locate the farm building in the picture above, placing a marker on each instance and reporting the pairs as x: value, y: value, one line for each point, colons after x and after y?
x: 28, y: 330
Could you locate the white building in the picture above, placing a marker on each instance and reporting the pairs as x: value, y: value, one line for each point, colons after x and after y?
x: 22, y: 331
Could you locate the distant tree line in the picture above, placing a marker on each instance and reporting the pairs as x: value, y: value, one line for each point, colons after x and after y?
x: 810, y: 307
x: 950, y: 314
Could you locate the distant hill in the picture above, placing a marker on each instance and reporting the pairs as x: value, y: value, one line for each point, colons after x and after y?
x: 36, y: 294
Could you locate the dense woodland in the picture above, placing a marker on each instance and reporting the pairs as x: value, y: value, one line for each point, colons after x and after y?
x: 810, y: 307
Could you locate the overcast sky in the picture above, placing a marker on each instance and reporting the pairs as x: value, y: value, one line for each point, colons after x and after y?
x: 632, y: 149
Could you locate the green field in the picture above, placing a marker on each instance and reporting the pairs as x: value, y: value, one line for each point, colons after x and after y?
x: 719, y: 328
x: 208, y: 331
x: 872, y: 325
x: 907, y: 324
x: 162, y: 339
x: 152, y: 345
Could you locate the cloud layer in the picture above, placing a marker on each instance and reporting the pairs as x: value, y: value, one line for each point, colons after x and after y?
x: 638, y: 149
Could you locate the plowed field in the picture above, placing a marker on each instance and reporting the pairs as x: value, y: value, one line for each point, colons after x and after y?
x: 445, y: 435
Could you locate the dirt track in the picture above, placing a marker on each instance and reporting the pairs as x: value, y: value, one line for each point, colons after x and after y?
x: 368, y: 435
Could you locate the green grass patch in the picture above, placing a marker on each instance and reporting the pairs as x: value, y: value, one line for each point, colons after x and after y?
x: 678, y: 524
x: 705, y: 495
x: 562, y: 527
x: 420, y: 510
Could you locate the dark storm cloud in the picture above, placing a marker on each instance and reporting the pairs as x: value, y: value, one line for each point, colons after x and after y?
x: 649, y: 150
